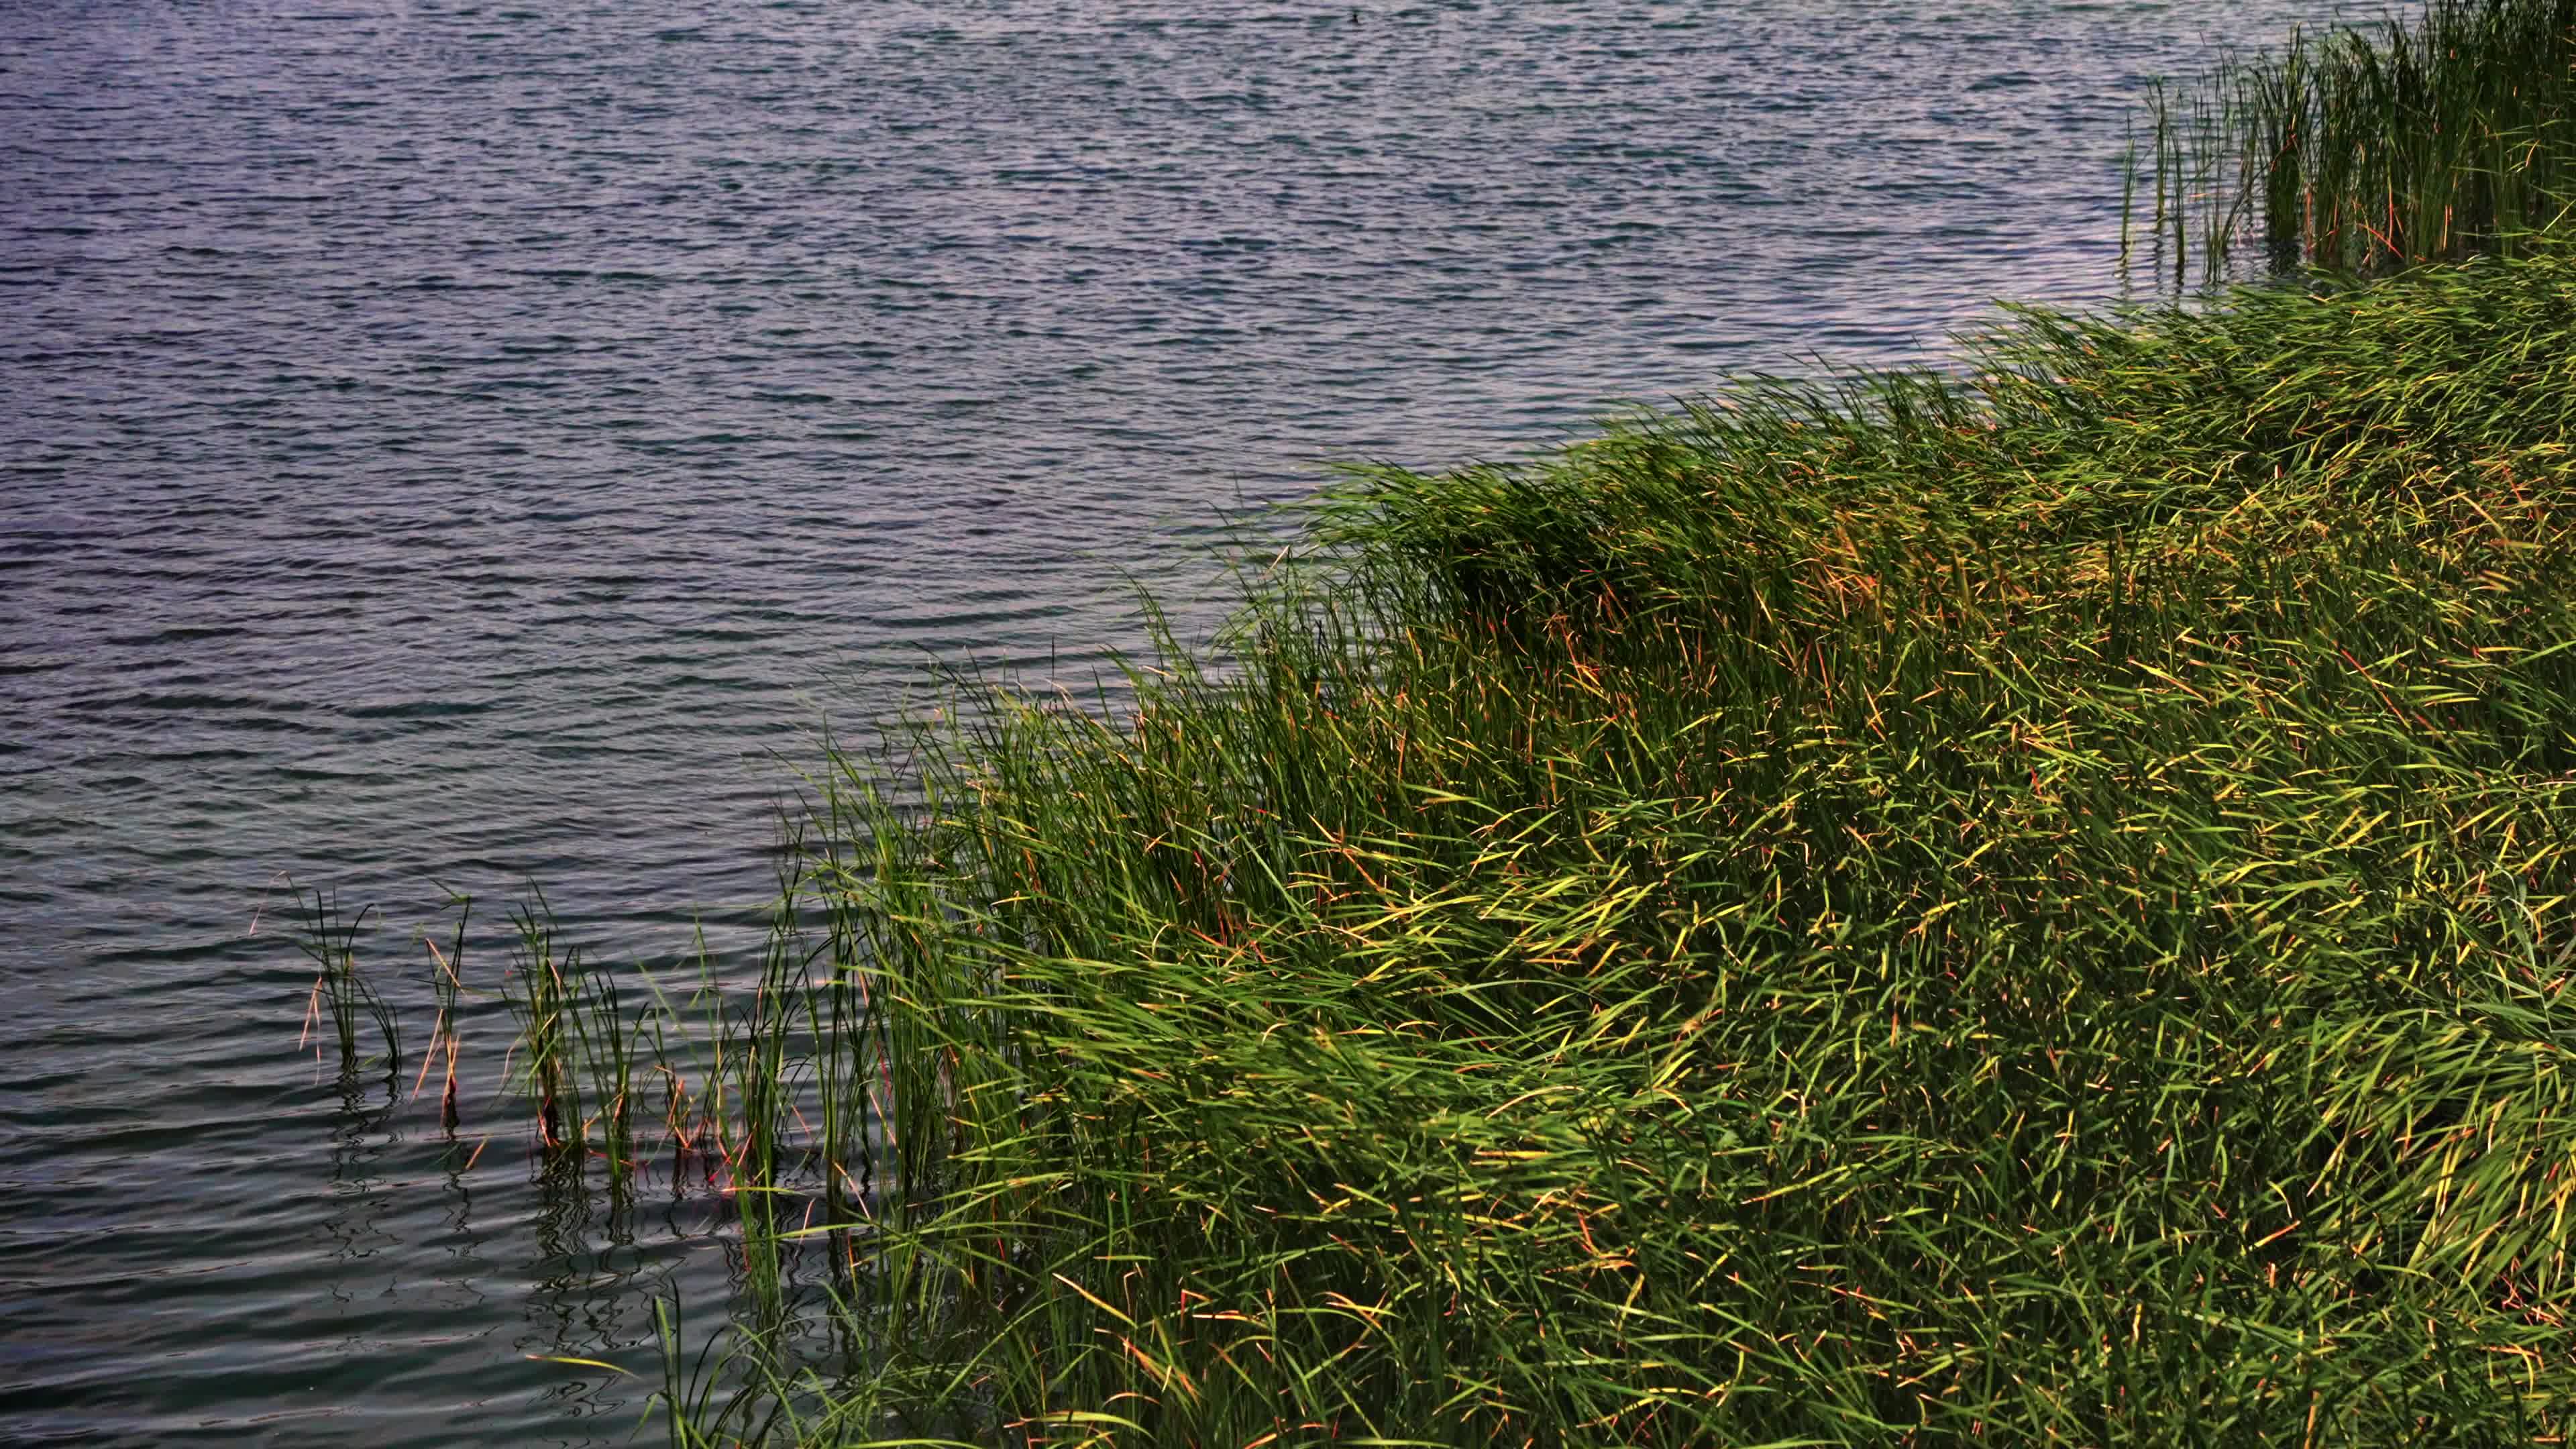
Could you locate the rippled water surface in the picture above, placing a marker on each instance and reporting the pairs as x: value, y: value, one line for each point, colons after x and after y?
x: 469, y: 444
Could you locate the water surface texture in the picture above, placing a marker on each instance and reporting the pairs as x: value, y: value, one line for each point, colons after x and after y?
x: 469, y: 444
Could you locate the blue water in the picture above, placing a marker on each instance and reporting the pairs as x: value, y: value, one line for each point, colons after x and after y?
x: 460, y: 445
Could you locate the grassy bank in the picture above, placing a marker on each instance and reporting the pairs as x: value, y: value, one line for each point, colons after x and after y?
x: 2029, y: 907
x: 2430, y: 139
x: 2033, y: 909
x: 2025, y: 911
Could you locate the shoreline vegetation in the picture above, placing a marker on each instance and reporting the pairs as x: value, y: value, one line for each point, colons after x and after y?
x: 2362, y: 151
x: 2035, y: 906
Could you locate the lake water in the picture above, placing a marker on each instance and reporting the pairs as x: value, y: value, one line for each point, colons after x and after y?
x: 472, y: 444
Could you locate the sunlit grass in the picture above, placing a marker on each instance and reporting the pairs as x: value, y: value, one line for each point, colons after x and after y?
x: 2029, y: 909
x: 2033, y: 911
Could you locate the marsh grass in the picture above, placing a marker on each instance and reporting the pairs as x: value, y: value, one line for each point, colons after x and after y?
x: 2362, y: 151
x: 2032, y: 910
x: 750, y: 1087
x: 2029, y: 908
x: 543, y: 992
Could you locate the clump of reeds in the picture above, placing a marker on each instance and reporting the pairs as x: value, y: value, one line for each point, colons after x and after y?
x: 2033, y: 910
x: 343, y: 997
x: 542, y: 989
x: 762, y: 1073
x: 2360, y: 151
x: 582, y: 1050
x: 2028, y: 909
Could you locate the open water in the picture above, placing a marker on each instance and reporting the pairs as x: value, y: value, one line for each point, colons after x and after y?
x: 471, y: 444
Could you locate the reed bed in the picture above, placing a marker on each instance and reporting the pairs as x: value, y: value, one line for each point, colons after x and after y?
x: 2032, y: 908
x: 2362, y: 151
x: 2025, y: 910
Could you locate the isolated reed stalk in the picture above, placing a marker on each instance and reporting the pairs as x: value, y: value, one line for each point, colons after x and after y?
x: 608, y: 1044
x: 445, y: 1037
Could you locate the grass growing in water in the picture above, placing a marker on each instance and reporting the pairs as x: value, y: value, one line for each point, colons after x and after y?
x: 2026, y: 910
x: 343, y: 997
x: 446, y: 1036
x: 2034, y: 910
x: 2358, y: 152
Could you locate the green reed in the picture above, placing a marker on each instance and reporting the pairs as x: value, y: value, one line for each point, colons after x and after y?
x: 343, y: 997
x: 609, y: 1046
x: 446, y: 1035
x: 542, y: 988
x: 761, y: 1076
x: 2025, y: 910
x: 2360, y: 151
x: 583, y: 1047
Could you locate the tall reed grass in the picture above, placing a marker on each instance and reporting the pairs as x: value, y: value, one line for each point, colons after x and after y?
x: 2360, y: 151
x: 2033, y: 910
x: 746, y: 1088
